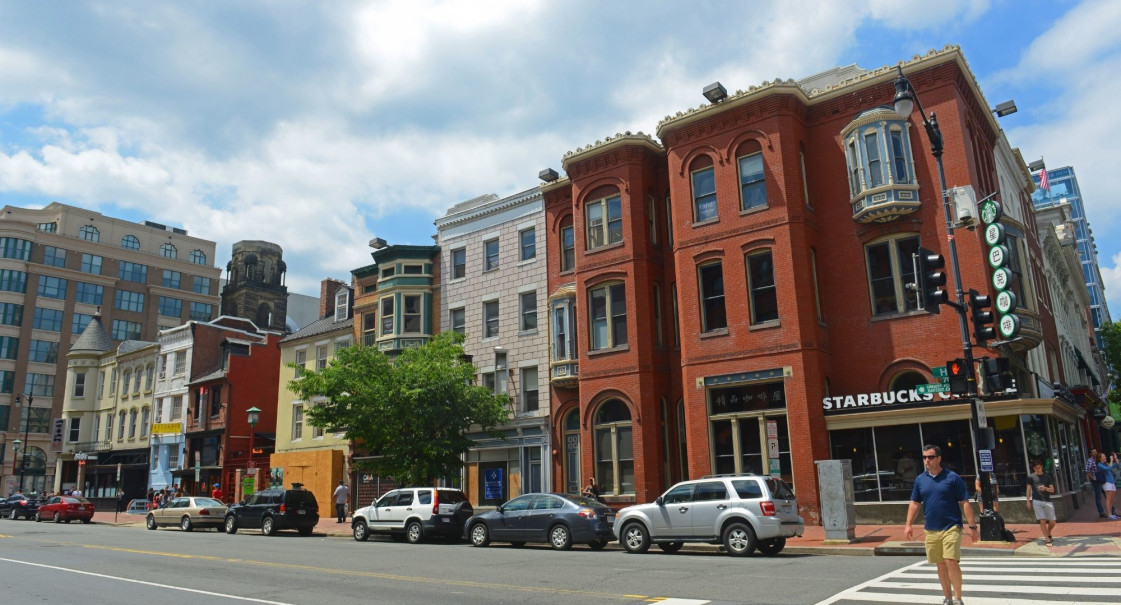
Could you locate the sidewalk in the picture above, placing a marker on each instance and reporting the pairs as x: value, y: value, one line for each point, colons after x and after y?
x: 1084, y: 534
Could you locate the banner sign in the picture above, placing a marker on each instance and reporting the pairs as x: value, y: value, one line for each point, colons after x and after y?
x: 167, y: 428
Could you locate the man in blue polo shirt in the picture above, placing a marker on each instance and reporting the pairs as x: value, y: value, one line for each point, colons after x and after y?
x: 943, y: 496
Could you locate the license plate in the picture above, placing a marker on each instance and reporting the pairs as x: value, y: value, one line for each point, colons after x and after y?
x: 445, y: 520
x: 610, y: 518
x: 301, y: 512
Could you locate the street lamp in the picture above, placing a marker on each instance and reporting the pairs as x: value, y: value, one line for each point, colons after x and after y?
x: 254, y: 418
x: 905, y: 101
x: 15, y: 454
x: 26, y: 428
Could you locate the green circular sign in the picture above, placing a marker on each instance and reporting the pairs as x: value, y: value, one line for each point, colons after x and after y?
x: 1009, y: 326
x: 1002, y: 278
x: 1005, y: 301
x: 994, y: 234
x: 991, y: 211
x: 998, y: 256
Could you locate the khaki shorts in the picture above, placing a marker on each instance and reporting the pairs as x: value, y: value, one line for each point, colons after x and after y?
x: 942, y: 545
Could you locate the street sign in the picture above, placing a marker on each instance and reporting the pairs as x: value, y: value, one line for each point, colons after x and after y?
x: 1009, y: 326
x: 986, y: 460
x: 775, y: 468
x: 772, y: 440
x: 932, y: 388
x: 940, y: 372
x: 982, y: 419
x: 1006, y: 302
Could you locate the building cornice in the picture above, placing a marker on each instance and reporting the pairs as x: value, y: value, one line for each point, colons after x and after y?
x: 495, y: 206
x: 605, y: 145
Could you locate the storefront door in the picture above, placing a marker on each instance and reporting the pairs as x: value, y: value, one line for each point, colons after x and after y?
x: 740, y: 445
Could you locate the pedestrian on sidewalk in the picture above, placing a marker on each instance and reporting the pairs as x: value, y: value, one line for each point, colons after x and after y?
x: 1040, y: 487
x: 1116, y: 468
x: 217, y: 494
x: 994, y: 486
x: 341, y: 493
x: 944, y: 498
x: 1095, y: 482
x: 591, y: 490
x: 1109, y: 484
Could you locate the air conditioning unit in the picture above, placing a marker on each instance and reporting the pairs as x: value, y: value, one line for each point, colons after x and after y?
x: 964, y: 204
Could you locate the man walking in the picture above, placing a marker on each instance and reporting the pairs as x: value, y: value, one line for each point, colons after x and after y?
x: 943, y: 497
x: 1040, y: 488
x: 341, y: 493
x: 1092, y: 475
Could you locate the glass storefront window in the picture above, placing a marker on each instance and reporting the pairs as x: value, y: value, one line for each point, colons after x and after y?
x: 1009, y: 465
x: 723, y: 448
x: 858, y: 447
x: 956, y: 440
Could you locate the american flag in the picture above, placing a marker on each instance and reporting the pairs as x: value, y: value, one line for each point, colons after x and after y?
x: 1044, y: 182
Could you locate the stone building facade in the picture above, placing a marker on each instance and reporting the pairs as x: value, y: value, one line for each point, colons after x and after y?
x: 255, y: 286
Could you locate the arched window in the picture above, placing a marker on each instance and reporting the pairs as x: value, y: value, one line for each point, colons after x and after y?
x: 614, y: 448
x: 145, y: 417
x: 198, y: 257
x: 132, y: 422
x: 907, y: 381
x: 604, y: 220
x: 753, y: 184
x: 703, y: 179
x: 129, y: 242
x: 125, y: 380
x: 168, y: 251
x: 89, y: 233
x: 572, y: 481
x: 121, y: 425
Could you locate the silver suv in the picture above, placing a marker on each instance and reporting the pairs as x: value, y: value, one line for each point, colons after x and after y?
x: 414, y: 513
x: 744, y: 512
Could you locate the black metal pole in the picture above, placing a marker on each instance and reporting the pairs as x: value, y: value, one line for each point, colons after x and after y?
x: 26, y: 429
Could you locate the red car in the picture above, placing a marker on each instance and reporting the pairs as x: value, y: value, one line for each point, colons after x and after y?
x: 65, y: 508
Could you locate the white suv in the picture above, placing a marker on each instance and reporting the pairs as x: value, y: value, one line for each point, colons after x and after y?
x: 414, y: 513
x: 744, y: 512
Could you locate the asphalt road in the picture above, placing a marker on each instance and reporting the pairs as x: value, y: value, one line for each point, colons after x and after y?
x: 94, y: 564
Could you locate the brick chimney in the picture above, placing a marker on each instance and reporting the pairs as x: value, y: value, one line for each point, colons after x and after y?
x: 327, y: 290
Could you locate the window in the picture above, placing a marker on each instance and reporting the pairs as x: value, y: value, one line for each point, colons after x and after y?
x: 7, y: 380
x: 805, y: 179
x: 113, y: 382
x: 201, y: 285
x: 89, y: 233
x: 490, y: 319
x: 54, y: 257
x: 387, y: 322
x: 215, y: 400
x: 614, y: 451
x: 704, y: 193
x: 180, y: 363
x: 125, y: 330
x: 572, y: 479
x: 11, y: 314
x: 753, y: 185
x: 132, y: 414
x: 149, y: 374
x: 761, y: 284
x: 170, y: 307
x: 171, y: 279
x: 46, y: 228
x: 297, y: 421
x: 129, y: 301
x: 669, y: 222
x: 168, y: 251
x: 608, y: 316
x: 145, y: 418
x: 652, y: 218
x: 19, y: 249
x: 108, y: 426
x: 562, y: 331
x: 52, y: 287
x: 90, y: 294
x: 47, y: 319
x: 121, y: 425
x: 320, y: 358
x: 130, y: 242
x: 529, y: 311
x: 389, y: 271
x: 369, y: 328
x: 126, y: 380
x: 412, y: 269
x: 75, y: 430
x: 201, y: 311
x: 490, y: 251
x: 459, y: 263
x: 658, y: 315
x: 676, y: 322
x: 457, y: 319
x: 899, y: 172
x: 568, y: 245
x: 42, y: 351
x: 79, y: 321
x: 301, y: 363
x: 136, y: 384
x: 198, y: 257
x: 411, y: 305
x: 177, y: 407
x: 342, y: 304
x: 41, y: 385
x: 9, y: 348
x: 605, y: 222
x: 527, y: 241
x: 817, y: 289
x: 13, y: 281
x: 91, y: 263
x: 713, y: 314
x: 80, y: 384
x: 890, y: 268
x: 529, y: 389
x: 872, y: 155
x: 134, y: 272
x: 342, y: 343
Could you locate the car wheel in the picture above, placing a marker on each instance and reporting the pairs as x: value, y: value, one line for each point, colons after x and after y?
x: 414, y: 532
x: 635, y: 538
x: 739, y: 539
x: 670, y: 547
x: 772, y: 547
x: 360, y: 530
x: 12, y: 515
x: 231, y: 524
x: 560, y: 538
x: 598, y: 545
x: 185, y: 523
x: 150, y: 522
x: 57, y: 518
x: 480, y: 535
x: 304, y: 531
x: 268, y: 526
x: 37, y: 517
x: 86, y: 521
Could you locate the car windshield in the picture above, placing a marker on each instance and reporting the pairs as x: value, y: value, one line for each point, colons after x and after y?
x: 74, y: 500
x: 779, y: 489
x: 207, y: 502
x: 451, y: 496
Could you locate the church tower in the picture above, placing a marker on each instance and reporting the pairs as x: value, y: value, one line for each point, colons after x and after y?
x: 255, y: 287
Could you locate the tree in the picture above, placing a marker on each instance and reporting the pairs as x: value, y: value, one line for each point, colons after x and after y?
x: 1111, y: 351
x: 412, y: 411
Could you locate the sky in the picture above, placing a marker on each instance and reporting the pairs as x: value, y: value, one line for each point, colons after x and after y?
x: 320, y: 125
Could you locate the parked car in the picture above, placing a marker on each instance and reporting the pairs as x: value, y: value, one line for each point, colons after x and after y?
x: 65, y: 508
x: 272, y: 510
x: 20, y: 505
x: 744, y: 512
x: 557, y: 519
x: 188, y: 513
x: 413, y: 514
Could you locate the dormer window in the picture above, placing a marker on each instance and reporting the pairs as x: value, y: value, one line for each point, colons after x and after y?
x: 342, y: 299
x: 881, y: 170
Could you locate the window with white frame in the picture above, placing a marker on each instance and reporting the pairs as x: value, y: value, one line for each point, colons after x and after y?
x: 342, y: 304
x: 564, y: 329
x: 458, y: 320
x: 79, y: 384
x: 614, y: 449
x: 297, y: 421
x: 459, y: 263
x: 108, y: 426
x: 528, y: 311
x: 301, y: 363
x: 121, y: 425
x: 387, y: 316
x: 753, y: 185
x: 145, y: 418
x: 320, y: 358
x: 608, y: 316
x: 890, y: 269
x: 490, y: 319
x: 177, y: 407
x: 703, y: 179
x: 132, y: 415
x: 530, y: 389
x: 605, y: 221
x: 180, y: 362
x: 411, y: 307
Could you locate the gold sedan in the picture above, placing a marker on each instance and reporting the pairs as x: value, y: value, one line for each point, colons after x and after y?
x: 188, y: 513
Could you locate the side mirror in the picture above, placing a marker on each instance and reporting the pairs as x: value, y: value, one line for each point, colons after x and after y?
x: 242, y: 503
x: 659, y: 501
x: 500, y: 508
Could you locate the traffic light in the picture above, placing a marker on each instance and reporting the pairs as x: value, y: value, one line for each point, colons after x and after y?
x: 998, y: 374
x: 958, y: 376
x: 983, y: 330
x: 931, y: 280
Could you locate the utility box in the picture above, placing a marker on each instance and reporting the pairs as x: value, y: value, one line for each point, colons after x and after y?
x: 838, y: 506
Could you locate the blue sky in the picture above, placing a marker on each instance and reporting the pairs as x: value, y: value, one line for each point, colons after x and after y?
x: 318, y: 125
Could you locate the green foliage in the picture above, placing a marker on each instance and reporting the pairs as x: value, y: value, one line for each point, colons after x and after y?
x: 1111, y: 350
x: 412, y: 411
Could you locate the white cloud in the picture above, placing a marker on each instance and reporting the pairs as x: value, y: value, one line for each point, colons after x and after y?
x: 1077, y: 38
x: 1111, y: 280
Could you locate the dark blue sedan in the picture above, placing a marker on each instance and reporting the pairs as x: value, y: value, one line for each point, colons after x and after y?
x: 558, y: 519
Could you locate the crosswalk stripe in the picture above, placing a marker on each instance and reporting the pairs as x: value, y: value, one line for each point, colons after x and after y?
x: 1036, y: 577
x: 1089, y: 591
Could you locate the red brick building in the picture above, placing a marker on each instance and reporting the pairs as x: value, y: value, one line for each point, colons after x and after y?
x: 741, y: 281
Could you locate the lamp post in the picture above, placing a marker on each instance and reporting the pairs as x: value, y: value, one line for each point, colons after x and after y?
x: 15, y: 454
x: 26, y: 428
x: 905, y: 101
x: 254, y: 418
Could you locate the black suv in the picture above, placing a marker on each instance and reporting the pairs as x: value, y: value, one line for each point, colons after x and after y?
x: 20, y: 505
x: 272, y: 510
